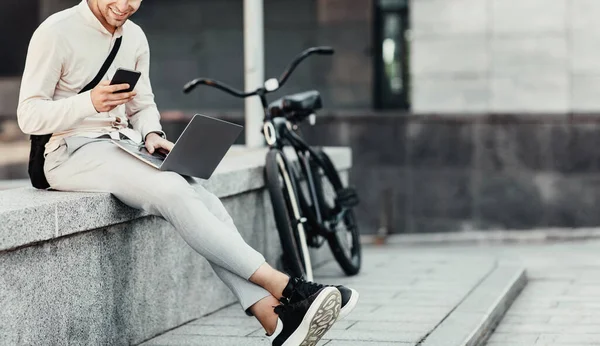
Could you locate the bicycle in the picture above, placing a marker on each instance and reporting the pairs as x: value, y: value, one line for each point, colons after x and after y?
x: 310, y: 202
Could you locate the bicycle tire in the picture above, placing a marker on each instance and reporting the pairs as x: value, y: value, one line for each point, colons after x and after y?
x: 281, y: 201
x: 350, y: 260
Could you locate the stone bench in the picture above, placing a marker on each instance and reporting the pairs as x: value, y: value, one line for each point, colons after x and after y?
x: 84, y: 269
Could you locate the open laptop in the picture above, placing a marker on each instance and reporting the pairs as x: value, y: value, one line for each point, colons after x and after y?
x: 197, y: 152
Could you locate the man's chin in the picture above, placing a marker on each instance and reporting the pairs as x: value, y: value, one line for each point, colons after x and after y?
x: 117, y: 23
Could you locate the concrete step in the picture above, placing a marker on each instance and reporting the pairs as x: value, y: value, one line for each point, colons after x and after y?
x: 474, y: 319
x: 406, y: 299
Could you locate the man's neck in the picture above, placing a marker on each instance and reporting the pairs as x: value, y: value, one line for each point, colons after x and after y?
x: 93, y: 4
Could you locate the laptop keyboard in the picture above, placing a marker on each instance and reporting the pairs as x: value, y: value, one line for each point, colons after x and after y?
x: 156, y: 159
x: 139, y: 150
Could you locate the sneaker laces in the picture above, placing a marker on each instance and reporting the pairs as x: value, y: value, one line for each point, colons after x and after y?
x: 288, y: 308
x: 304, y: 289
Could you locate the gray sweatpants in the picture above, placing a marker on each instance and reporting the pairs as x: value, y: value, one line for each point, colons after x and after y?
x: 198, y: 215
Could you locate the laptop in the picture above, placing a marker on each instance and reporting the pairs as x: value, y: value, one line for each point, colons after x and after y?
x: 197, y: 152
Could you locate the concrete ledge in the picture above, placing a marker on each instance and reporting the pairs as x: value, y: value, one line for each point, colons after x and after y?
x: 28, y: 215
x: 472, y: 321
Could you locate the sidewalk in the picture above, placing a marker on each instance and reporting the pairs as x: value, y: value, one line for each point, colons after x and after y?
x: 561, y: 303
x: 407, y: 298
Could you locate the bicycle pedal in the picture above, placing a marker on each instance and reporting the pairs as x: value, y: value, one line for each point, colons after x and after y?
x: 347, y: 197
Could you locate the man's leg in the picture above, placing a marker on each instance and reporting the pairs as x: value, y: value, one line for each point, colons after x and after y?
x: 102, y: 167
x: 247, y: 292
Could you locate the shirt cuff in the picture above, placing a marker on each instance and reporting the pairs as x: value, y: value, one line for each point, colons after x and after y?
x: 83, y: 105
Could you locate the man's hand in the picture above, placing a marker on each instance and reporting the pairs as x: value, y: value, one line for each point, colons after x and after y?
x: 104, y: 98
x: 156, y: 142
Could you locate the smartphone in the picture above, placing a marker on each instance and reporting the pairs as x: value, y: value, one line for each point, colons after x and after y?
x: 125, y: 76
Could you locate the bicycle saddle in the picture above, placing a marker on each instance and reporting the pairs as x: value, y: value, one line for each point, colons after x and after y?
x: 297, y: 105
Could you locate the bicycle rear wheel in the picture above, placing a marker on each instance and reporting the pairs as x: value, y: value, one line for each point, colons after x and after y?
x: 286, y: 211
x: 336, y: 204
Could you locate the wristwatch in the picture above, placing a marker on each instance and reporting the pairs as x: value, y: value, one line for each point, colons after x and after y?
x: 160, y: 133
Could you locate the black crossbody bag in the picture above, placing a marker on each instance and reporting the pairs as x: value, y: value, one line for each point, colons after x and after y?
x: 38, y: 142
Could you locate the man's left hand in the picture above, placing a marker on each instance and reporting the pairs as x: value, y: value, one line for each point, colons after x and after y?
x: 155, y: 142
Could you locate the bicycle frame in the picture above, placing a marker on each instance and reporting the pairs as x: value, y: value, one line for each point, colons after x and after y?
x: 284, y: 134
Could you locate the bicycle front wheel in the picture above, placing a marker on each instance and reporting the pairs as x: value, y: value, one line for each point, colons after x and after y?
x: 336, y: 204
x: 286, y: 211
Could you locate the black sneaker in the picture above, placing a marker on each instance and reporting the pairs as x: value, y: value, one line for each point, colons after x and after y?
x: 305, y: 322
x: 298, y: 289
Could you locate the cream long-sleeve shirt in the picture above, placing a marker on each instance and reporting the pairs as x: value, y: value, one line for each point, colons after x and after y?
x: 65, y: 54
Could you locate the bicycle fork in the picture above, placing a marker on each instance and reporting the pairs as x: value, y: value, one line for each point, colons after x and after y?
x: 298, y: 219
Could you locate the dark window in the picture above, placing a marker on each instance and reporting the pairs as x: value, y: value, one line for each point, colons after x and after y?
x: 392, y: 73
x: 18, y: 21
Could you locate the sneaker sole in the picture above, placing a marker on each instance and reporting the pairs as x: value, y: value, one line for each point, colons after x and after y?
x: 319, y: 318
x: 350, y: 305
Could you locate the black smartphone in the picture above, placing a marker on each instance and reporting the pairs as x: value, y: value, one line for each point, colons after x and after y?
x: 125, y: 76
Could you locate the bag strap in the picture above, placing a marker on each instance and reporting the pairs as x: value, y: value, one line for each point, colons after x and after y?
x: 104, y: 68
x: 43, y: 139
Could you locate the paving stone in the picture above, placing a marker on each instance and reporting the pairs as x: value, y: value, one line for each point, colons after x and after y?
x: 590, y: 304
x: 587, y: 290
x: 524, y: 338
x: 216, y: 330
x: 387, y: 313
x: 367, y: 343
x: 241, y: 321
x: 570, y: 339
x: 523, y: 319
x: 201, y: 340
x: 527, y: 303
x: 532, y: 311
x: 530, y: 328
x: 383, y: 326
x: 575, y: 320
x: 377, y: 335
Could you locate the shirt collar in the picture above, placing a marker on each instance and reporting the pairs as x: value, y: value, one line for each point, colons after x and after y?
x: 90, y: 18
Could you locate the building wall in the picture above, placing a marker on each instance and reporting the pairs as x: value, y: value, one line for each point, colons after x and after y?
x: 191, y: 38
x: 207, y: 41
x: 505, y: 56
x: 13, y: 48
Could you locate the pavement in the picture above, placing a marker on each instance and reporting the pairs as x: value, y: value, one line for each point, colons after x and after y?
x: 561, y: 303
x: 428, y: 294
x: 408, y: 297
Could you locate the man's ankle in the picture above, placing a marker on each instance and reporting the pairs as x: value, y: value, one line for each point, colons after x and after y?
x: 280, y: 284
x: 263, y: 312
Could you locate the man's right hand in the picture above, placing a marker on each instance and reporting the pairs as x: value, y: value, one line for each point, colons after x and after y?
x: 105, y: 99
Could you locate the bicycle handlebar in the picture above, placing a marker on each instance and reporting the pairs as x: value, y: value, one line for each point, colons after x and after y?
x: 216, y: 84
x: 315, y: 50
x: 284, y: 77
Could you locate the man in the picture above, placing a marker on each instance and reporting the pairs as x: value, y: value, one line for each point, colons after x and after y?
x: 64, y: 54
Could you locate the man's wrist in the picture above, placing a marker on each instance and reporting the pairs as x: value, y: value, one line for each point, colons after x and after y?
x: 157, y: 133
